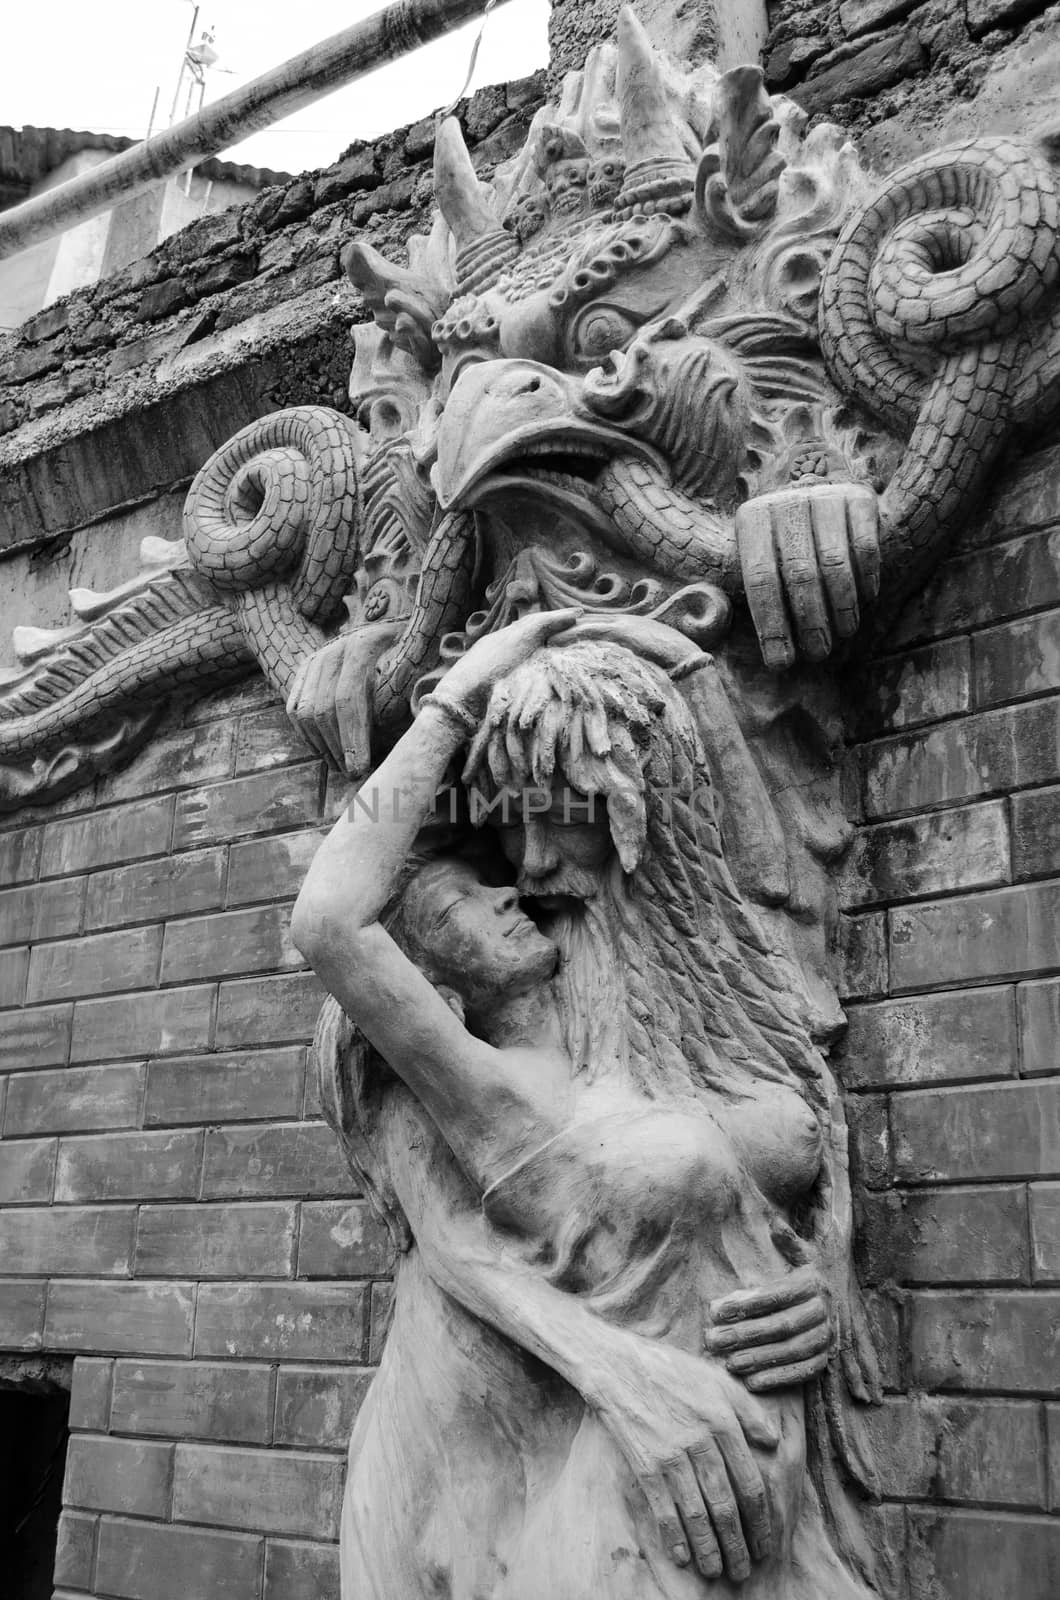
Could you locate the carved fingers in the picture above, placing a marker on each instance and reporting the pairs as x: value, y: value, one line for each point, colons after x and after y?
x: 329, y: 701
x: 490, y: 658
x: 709, y: 1503
x: 810, y: 557
x: 774, y: 1336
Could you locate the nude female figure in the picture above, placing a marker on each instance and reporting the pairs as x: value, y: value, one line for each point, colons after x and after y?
x: 548, y: 1419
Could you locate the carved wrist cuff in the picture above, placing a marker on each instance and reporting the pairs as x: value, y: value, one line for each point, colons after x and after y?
x: 685, y: 668
x: 459, y: 716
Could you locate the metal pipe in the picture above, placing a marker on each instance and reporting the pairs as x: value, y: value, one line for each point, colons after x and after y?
x: 345, y: 56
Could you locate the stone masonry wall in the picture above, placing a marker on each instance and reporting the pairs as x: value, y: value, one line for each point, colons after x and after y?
x: 124, y: 388
x: 173, y: 1212
x: 904, y: 75
x: 952, y: 1061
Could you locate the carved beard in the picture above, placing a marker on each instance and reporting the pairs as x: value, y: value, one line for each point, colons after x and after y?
x: 588, y: 985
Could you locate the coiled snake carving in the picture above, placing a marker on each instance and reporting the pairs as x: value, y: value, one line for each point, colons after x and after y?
x: 938, y: 313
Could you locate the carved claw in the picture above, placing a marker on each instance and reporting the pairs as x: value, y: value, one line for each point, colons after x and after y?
x: 810, y: 557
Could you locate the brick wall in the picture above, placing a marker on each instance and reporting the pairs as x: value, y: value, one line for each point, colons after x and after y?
x: 173, y: 1212
x: 175, y: 1215
x: 952, y: 1060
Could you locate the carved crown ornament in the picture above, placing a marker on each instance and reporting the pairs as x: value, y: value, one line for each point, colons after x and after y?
x: 680, y: 359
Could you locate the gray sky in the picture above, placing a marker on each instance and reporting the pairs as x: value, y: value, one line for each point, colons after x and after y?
x: 95, y: 64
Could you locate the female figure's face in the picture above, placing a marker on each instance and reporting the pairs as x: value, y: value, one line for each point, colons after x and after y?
x: 473, y: 936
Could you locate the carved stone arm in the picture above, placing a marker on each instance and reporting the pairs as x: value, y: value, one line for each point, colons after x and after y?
x: 685, y: 1427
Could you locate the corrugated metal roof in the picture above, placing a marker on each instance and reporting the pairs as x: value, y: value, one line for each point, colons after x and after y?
x: 28, y: 154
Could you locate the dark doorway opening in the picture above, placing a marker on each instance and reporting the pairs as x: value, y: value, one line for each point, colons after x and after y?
x: 34, y: 1429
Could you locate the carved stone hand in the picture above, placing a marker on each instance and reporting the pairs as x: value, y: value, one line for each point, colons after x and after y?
x: 810, y: 557
x: 775, y: 1336
x: 687, y: 1429
x: 469, y: 680
x: 329, y: 701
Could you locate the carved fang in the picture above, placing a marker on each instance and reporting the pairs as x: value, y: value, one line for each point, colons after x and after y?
x: 659, y: 175
x: 483, y: 247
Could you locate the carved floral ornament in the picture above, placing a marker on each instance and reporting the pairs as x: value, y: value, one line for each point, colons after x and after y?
x: 680, y: 379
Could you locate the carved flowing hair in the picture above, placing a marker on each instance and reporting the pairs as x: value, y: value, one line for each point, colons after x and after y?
x: 709, y: 1001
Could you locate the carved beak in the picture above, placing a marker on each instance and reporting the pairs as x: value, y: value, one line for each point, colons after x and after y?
x: 517, y: 426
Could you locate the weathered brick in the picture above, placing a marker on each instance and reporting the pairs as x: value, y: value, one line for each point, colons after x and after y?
x: 1027, y: 497
x: 258, y: 1489
x: 74, y: 1100
x: 95, y: 965
x: 41, y: 911
x: 1002, y: 1131
x: 152, y: 891
x: 262, y: 803
x: 251, y: 1241
x: 27, y: 1170
x: 882, y: 60
x: 178, y: 759
x: 382, y: 1314
x: 143, y: 1024
x: 104, y: 1474
x: 1001, y: 933
x: 14, y: 965
x: 75, y: 1550
x: 90, y: 1394
x: 1017, y: 660
x: 274, y: 1321
x: 253, y: 1087
x: 268, y: 1010
x: 58, y: 1241
x: 858, y: 16
x: 1052, y: 1428
x: 317, y: 1406
x: 230, y: 942
x: 278, y: 1159
x: 986, y: 587
x: 21, y: 1313
x: 301, y: 1571
x: 944, y: 1236
x: 20, y: 850
x: 1038, y: 1006
x: 985, y: 1451
x: 932, y: 1038
x: 1045, y: 1231
x: 1001, y: 1340
x: 267, y: 739
x: 970, y: 1555
x: 123, y: 1318
x: 923, y: 685
x: 35, y: 1037
x: 1036, y: 833
x: 870, y: 1140
x: 271, y: 869
x: 986, y: 754
x: 123, y: 833
x: 342, y: 1239
x: 152, y: 1561
x: 130, y: 1166
x: 966, y: 848
x: 192, y: 1399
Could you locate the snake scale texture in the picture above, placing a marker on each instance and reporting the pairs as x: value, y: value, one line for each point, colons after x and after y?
x: 927, y: 307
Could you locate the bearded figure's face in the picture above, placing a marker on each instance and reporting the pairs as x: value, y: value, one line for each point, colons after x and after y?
x: 560, y: 853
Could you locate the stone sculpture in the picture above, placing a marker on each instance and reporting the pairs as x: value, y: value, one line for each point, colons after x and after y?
x: 593, y: 1136
x: 677, y: 341
x: 679, y: 380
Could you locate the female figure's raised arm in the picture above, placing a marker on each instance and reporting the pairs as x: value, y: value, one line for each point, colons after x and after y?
x: 474, y: 1092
